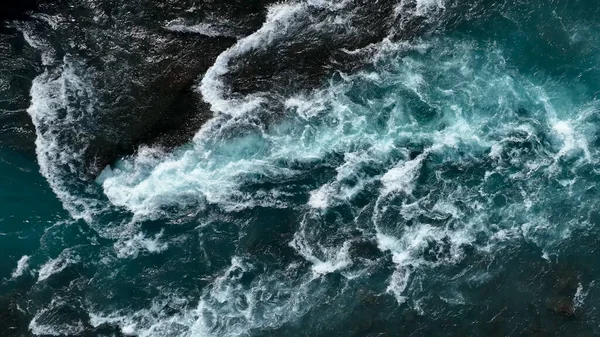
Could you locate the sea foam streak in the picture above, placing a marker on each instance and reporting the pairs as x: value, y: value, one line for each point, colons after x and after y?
x: 61, y: 100
x: 22, y: 266
x: 55, y: 266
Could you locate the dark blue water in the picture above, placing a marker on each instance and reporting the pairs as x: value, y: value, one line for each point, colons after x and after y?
x: 448, y: 187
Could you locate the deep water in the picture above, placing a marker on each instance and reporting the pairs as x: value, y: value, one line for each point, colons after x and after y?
x: 446, y: 185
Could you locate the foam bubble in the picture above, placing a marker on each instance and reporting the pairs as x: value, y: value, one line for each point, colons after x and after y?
x: 129, y: 330
x: 570, y: 139
x: 580, y: 295
x: 332, y: 258
x: 320, y: 198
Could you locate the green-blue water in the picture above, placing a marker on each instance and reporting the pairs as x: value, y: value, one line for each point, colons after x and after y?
x: 447, y: 188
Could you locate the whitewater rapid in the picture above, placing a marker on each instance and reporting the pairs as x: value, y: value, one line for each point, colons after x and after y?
x: 437, y: 148
x: 430, y: 160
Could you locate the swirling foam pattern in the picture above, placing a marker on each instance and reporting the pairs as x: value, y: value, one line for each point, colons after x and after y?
x: 449, y: 186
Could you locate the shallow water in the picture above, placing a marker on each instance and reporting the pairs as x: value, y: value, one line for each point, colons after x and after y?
x: 447, y: 187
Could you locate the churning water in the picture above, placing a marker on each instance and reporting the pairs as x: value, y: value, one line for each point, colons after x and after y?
x: 447, y: 186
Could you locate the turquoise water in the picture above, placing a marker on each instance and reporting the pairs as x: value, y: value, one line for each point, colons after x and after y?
x: 28, y: 207
x: 449, y: 187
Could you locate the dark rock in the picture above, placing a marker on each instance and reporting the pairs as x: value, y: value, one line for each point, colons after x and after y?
x: 365, y: 322
x: 410, y: 314
x: 566, y: 281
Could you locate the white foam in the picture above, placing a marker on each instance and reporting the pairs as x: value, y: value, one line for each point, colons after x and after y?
x: 580, y: 295
x: 47, y: 52
x: 226, y: 307
x: 212, y: 170
x: 131, y: 246
x: 206, y: 174
x: 320, y: 198
x: 22, y: 266
x: 570, y: 139
x: 331, y: 259
x: 129, y: 330
x: 424, y: 7
x: 401, y: 178
x: 408, y: 248
x: 40, y: 329
x: 53, y: 93
x: 406, y: 9
x: 210, y: 29
x: 58, y: 264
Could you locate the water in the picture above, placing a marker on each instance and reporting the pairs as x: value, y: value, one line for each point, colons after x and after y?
x: 447, y: 186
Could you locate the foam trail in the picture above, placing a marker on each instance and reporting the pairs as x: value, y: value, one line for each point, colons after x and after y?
x: 580, y: 295
x: 130, y: 247
x: 212, y: 87
x: 55, y: 266
x: 226, y: 308
x: 402, y: 177
x: 324, y: 260
x: 22, y: 266
x: 54, y: 93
